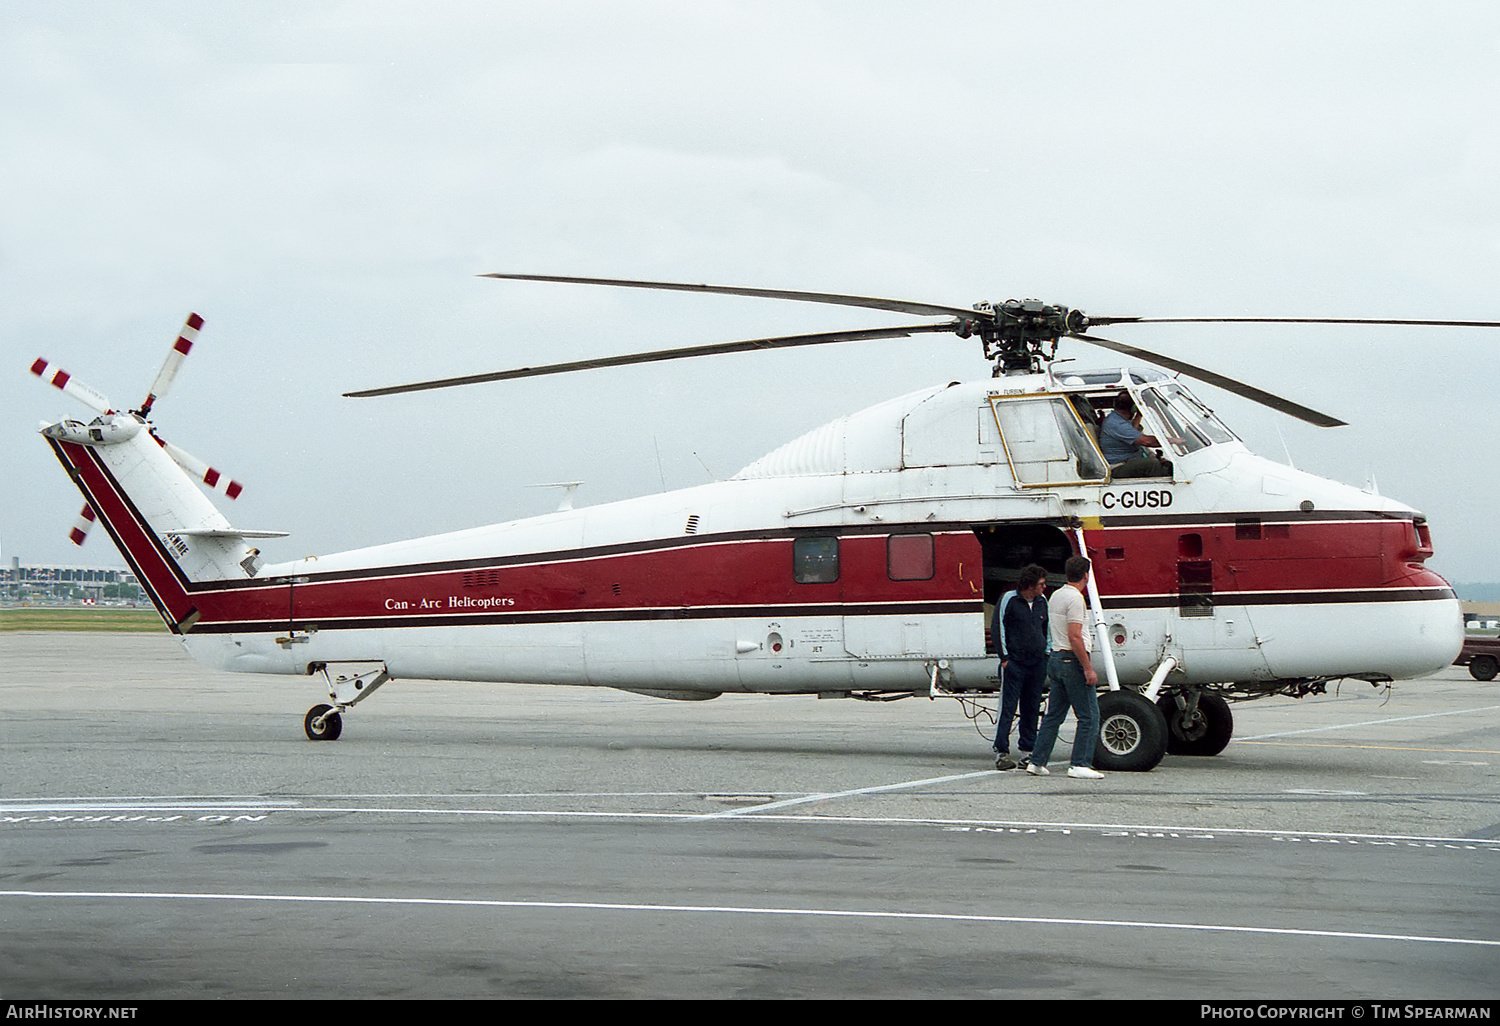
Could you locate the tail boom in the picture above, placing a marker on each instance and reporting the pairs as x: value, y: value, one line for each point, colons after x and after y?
x: 180, y: 547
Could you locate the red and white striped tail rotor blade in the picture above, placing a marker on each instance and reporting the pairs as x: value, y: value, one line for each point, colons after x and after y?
x: 180, y: 348
x: 210, y: 476
x: 59, y: 378
x: 80, y: 532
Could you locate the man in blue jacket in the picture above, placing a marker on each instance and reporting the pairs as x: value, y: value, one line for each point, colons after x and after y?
x: 1020, y: 631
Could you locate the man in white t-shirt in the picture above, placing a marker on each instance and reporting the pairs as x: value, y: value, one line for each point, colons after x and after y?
x: 1072, y: 677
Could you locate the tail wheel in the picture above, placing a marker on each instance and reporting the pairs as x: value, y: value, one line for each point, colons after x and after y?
x: 1483, y: 667
x: 329, y: 729
x: 1206, y: 732
x: 1132, y: 733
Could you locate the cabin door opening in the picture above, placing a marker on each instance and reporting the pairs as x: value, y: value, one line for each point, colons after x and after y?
x: 1006, y: 548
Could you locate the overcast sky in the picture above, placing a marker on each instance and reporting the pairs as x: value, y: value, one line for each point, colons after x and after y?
x: 323, y: 181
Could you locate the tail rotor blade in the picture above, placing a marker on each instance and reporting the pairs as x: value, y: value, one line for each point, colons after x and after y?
x: 80, y: 532
x: 61, y: 379
x: 213, y: 478
x: 180, y: 348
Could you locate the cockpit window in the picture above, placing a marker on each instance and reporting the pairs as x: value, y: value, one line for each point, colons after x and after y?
x: 1188, y: 423
x: 1046, y: 442
x: 1203, y: 418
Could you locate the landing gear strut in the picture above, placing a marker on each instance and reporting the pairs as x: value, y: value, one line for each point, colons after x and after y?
x: 1198, y: 722
x: 348, y: 684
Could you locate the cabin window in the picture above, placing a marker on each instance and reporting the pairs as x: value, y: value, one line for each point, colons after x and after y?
x: 815, y: 560
x: 909, y: 557
x: 1046, y: 441
x: 1195, y: 588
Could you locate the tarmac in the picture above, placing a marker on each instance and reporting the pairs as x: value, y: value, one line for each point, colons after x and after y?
x: 167, y: 831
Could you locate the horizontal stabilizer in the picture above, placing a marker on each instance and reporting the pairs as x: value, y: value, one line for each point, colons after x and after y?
x: 229, y: 532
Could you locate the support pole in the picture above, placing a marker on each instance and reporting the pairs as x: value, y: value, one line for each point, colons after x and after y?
x: 1101, y: 632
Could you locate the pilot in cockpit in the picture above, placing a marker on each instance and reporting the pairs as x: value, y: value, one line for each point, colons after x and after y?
x: 1127, y: 449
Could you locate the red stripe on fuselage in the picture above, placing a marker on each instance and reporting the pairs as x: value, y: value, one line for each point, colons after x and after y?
x: 755, y: 573
x: 1356, y: 559
x: 1311, y: 556
x: 715, y: 578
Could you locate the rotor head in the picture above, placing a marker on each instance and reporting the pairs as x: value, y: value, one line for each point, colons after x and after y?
x: 1021, y: 335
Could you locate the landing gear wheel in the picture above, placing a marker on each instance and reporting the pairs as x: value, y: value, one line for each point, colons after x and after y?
x: 1132, y: 733
x: 332, y: 727
x: 1483, y: 667
x: 1206, y: 733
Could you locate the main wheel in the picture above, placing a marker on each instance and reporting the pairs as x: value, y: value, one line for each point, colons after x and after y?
x: 333, y: 724
x: 1132, y: 732
x: 1483, y: 667
x: 1206, y: 733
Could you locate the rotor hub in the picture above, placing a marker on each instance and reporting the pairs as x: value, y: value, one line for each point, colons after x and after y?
x: 1021, y: 335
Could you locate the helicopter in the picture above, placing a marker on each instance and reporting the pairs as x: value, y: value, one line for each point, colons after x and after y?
x: 860, y: 560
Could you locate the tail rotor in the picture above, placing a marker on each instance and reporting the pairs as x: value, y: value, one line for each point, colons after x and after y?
x: 113, y: 426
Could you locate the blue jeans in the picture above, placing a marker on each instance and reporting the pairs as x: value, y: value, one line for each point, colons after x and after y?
x: 1069, y: 690
x: 1020, y: 685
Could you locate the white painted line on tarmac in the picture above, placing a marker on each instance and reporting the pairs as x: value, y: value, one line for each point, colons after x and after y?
x: 1108, y: 829
x: 830, y: 795
x: 12, y: 808
x: 236, y: 801
x: 143, y: 798
x: 834, y: 913
x: 1369, y: 723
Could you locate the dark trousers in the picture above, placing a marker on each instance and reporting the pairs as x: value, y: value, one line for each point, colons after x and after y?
x: 1069, y: 690
x: 1020, y: 685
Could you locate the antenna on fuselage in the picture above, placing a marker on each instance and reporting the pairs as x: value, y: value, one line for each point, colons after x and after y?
x: 1285, y: 448
x: 711, y: 475
x: 568, y: 487
x: 659, y: 471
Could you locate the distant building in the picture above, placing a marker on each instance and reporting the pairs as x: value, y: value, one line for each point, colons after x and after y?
x: 1479, y: 611
x: 65, y: 581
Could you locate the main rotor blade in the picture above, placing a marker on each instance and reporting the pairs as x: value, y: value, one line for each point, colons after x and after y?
x: 1250, y: 392
x: 661, y: 355
x: 1294, y: 320
x: 867, y: 302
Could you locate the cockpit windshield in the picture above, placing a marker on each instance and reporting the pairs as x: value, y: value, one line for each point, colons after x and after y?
x: 1189, y: 424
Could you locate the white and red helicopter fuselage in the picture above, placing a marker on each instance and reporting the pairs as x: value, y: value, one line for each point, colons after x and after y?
x: 859, y: 559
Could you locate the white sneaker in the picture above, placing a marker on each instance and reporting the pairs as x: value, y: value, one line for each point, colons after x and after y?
x: 1037, y: 771
x: 1084, y: 773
